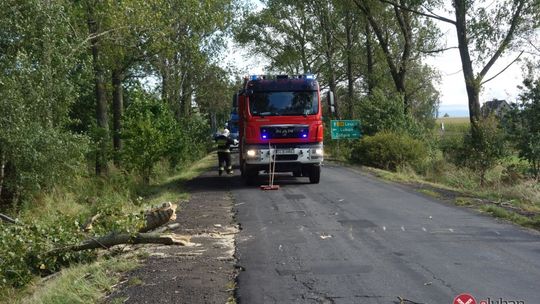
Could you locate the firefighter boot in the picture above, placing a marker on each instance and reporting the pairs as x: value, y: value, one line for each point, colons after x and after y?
x: 220, y: 171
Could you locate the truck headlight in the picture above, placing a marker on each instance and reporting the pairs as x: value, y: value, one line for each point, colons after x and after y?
x: 251, y: 153
x: 319, y: 151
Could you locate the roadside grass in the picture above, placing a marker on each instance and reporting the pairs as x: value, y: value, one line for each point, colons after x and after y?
x: 517, y: 202
x: 171, y: 186
x: 431, y: 193
x: 507, y: 192
x: 231, y: 287
x: 502, y: 213
x: 86, y: 283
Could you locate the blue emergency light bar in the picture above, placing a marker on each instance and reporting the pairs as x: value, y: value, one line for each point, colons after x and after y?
x: 259, y: 77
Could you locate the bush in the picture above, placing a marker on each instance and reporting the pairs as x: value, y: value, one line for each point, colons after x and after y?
x: 151, y: 134
x: 523, y: 125
x: 388, y: 150
x: 190, y: 141
x: 387, y: 113
x: 451, y: 145
x: 36, y: 158
x: 483, y: 149
x: 148, y: 131
x: 25, y: 250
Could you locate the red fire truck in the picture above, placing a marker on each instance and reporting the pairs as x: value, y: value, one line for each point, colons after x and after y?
x: 280, y: 120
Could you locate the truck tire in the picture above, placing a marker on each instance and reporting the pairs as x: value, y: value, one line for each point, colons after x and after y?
x: 249, y: 174
x: 315, y: 174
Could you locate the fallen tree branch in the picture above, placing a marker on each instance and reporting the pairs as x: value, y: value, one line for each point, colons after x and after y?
x: 114, y: 239
x: 6, y: 218
x: 166, y: 227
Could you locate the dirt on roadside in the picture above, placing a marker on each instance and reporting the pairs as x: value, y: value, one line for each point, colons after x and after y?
x: 202, y: 272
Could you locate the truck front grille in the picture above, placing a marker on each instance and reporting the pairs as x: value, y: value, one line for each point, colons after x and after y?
x: 287, y: 157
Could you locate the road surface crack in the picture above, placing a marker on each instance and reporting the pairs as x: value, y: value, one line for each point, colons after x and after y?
x: 319, y: 297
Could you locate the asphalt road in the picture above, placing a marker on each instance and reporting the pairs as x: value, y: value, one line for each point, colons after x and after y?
x: 356, y: 239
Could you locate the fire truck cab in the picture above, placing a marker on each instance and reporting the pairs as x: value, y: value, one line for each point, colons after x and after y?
x: 280, y: 118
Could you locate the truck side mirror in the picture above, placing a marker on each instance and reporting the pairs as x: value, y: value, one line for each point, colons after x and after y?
x: 330, y: 100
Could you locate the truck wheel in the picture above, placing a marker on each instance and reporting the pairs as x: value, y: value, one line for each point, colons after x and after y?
x: 250, y: 175
x: 315, y: 174
x: 242, y: 169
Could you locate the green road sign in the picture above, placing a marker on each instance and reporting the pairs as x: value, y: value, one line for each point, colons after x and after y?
x: 345, y: 129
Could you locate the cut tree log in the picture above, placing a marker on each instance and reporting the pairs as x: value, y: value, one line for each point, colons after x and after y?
x: 159, y: 216
x: 154, y: 218
x: 89, y: 223
x: 113, y: 239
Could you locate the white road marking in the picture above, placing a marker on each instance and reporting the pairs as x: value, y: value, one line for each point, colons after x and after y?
x: 384, y: 228
x: 424, y: 229
x: 402, y: 228
x: 450, y: 229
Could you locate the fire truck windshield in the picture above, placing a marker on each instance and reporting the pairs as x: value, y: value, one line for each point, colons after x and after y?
x: 284, y: 103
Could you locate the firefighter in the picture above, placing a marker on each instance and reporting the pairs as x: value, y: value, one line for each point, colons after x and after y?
x: 224, y: 151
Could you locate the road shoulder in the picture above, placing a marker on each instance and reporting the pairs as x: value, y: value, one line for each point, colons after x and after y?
x: 498, y: 209
x: 202, y: 272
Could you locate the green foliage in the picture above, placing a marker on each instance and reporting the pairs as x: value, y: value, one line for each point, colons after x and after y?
x: 38, y: 157
x: 479, y: 151
x: 149, y: 130
x: 381, y: 112
x: 23, y: 250
x: 388, y: 150
x: 83, y: 283
x: 26, y: 249
x: 152, y: 134
x: 523, y: 125
x: 482, y: 148
x: 35, y: 149
x: 190, y: 141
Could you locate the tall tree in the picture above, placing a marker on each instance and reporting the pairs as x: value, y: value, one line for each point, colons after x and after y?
x: 402, y: 37
x: 485, y: 31
x: 39, y: 68
x: 94, y: 29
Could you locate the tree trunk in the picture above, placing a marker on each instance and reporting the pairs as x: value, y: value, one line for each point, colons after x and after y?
x: 2, y: 171
x: 113, y: 239
x: 404, y: 22
x: 329, y: 53
x: 118, y: 108
x: 185, y: 98
x: 101, y: 98
x: 350, y: 77
x: 472, y: 85
x: 370, y: 61
x: 398, y: 69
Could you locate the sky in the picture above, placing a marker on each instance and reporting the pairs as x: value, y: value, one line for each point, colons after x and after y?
x: 452, y: 86
x: 453, y: 96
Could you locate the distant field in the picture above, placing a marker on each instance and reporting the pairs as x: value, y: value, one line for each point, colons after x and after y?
x: 453, y: 120
x: 453, y: 124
